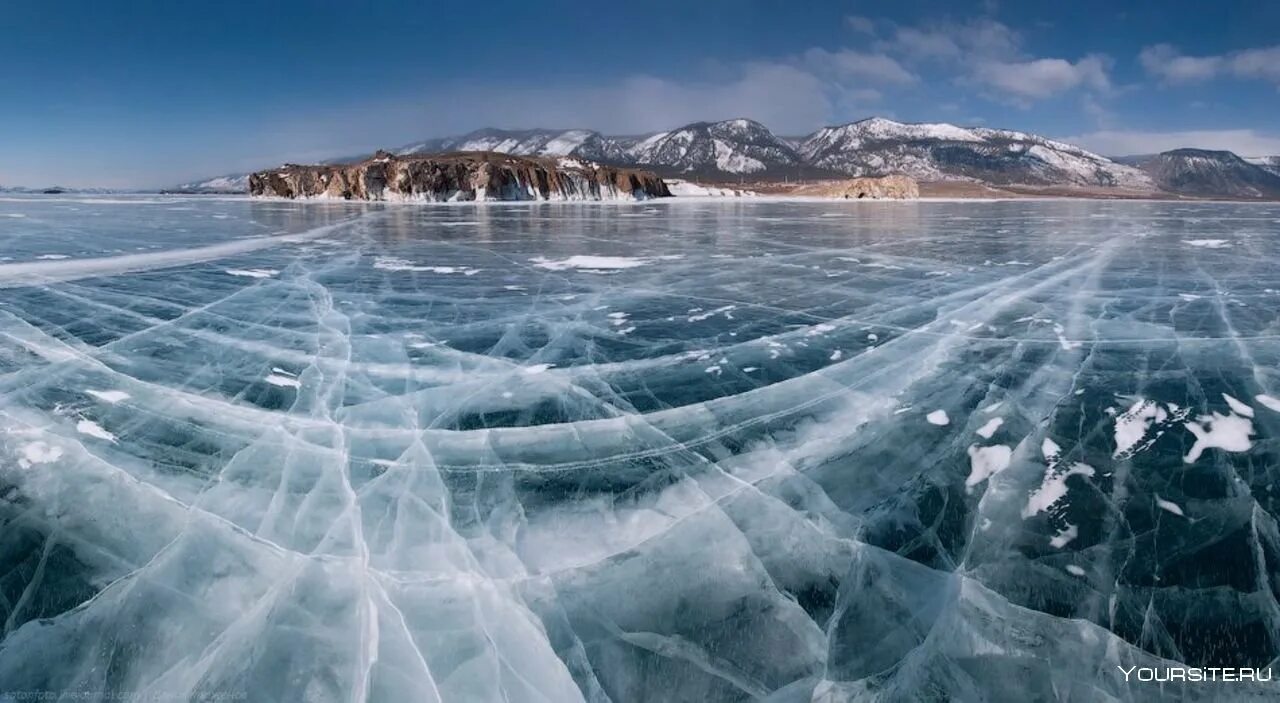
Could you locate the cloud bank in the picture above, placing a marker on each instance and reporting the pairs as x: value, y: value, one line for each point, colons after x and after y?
x: 1245, y: 142
x: 1170, y: 66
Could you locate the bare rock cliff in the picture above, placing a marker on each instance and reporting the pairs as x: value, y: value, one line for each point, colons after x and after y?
x: 457, y: 177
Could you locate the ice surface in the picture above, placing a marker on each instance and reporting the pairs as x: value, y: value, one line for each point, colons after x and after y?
x: 474, y: 453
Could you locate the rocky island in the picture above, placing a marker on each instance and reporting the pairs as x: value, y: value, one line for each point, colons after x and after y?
x: 462, y: 176
x: 895, y: 187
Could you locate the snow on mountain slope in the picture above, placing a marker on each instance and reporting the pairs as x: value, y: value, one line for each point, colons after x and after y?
x: 745, y: 149
x: 582, y: 143
x: 234, y: 183
x: 878, y: 129
x: 1210, y: 173
x: 738, y: 147
x: 878, y: 146
x: 1270, y: 164
x: 731, y: 147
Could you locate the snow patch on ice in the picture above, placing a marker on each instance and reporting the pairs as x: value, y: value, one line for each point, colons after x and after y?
x: 536, y: 368
x: 1053, y: 487
x: 1268, y: 402
x: 938, y: 417
x: 1064, y: 536
x: 278, y: 379
x: 253, y: 273
x: 1208, y: 243
x: 391, y: 263
x: 1237, y: 406
x: 588, y: 262
x: 38, y: 452
x: 1063, y: 342
x: 93, y: 429
x: 726, y: 309
x: 1226, y: 432
x: 112, y: 397
x: 1169, y: 506
x: 1134, y: 427
x: 989, y: 429
x: 985, y: 462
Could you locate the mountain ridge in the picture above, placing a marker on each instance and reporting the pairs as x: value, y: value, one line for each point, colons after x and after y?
x: 742, y: 149
x: 1207, y: 172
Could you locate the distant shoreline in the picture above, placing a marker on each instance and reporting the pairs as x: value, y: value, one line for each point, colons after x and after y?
x: 762, y: 198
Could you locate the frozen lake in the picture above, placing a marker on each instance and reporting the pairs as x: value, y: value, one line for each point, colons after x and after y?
x: 711, y: 451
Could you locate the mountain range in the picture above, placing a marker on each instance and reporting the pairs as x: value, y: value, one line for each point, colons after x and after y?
x: 54, y: 190
x: 744, y: 150
x: 1204, y: 173
x: 1271, y: 164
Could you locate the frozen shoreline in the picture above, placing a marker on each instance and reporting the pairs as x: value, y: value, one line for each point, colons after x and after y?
x: 168, y: 198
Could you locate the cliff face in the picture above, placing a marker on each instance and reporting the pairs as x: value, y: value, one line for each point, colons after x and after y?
x: 459, y: 177
x: 884, y: 188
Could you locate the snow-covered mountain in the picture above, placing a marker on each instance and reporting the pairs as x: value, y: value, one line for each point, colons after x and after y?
x: 1201, y: 172
x: 57, y: 190
x: 727, y: 148
x: 933, y: 152
x: 742, y: 149
x: 737, y: 147
x: 582, y: 143
x: 1269, y: 163
x: 232, y: 183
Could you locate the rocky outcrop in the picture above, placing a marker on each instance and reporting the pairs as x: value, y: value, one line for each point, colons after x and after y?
x: 883, y: 188
x: 458, y: 177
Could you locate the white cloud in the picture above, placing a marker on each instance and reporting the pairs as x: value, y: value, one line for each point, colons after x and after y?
x: 1165, y: 62
x: 1043, y: 78
x: 974, y: 39
x: 1257, y: 63
x: 863, y: 25
x: 926, y: 44
x: 1245, y: 142
x: 989, y: 54
x: 849, y: 64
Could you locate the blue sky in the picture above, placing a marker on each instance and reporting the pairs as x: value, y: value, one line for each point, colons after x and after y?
x: 149, y: 93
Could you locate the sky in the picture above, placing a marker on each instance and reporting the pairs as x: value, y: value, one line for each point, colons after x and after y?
x: 151, y: 93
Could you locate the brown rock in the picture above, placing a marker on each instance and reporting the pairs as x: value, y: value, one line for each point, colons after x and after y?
x: 460, y: 176
x: 883, y: 188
